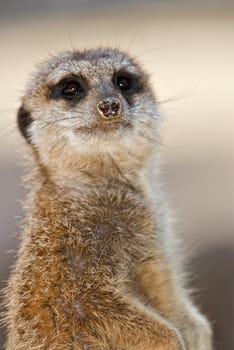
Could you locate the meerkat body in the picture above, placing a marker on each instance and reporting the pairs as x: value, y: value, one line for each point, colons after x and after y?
x: 97, y: 267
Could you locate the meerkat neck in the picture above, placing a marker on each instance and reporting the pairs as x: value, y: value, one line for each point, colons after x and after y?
x: 97, y: 172
x: 67, y: 185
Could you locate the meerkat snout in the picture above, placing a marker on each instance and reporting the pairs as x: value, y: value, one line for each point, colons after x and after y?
x: 109, y: 108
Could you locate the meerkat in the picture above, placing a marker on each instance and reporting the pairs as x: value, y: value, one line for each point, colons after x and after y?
x: 98, y: 266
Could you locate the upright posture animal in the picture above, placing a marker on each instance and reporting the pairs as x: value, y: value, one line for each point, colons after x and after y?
x: 97, y: 268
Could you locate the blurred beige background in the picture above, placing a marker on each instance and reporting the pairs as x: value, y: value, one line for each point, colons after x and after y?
x: 188, y: 48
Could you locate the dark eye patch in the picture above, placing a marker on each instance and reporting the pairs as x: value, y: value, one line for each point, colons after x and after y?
x: 127, y: 83
x: 70, y: 88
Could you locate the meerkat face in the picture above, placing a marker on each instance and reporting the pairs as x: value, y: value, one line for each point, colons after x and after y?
x: 96, y: 101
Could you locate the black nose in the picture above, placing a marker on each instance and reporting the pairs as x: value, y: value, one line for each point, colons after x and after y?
x: 109, y: 108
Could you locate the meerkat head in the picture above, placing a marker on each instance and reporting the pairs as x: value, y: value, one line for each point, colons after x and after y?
x: 84, y: 106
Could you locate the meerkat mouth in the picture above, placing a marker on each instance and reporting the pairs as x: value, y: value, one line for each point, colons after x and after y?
x: 106, y: 126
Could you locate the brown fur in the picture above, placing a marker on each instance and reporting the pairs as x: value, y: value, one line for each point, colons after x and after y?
x: 97, y: 267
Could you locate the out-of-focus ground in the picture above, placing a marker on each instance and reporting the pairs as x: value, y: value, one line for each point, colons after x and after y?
x: 189, y: 52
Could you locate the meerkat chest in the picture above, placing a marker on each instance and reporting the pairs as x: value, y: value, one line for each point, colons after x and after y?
x: 109, y: 229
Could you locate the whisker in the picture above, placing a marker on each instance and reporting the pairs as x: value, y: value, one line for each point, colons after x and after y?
x: 68, y: 118
x: 8, y: 124
x: 58, y: 120
x: 135, y: 35
x: 171, y: 99
x: 70, y: 127
x: 7, y: 133
x: 8, y: 128
x: 71, y: 46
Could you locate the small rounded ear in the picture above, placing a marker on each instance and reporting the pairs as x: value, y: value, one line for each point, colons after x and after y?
x: 24, y: 120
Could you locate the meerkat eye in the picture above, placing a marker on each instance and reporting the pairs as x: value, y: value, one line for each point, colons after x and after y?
x: 73, y: 88
x: 126, y: 82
